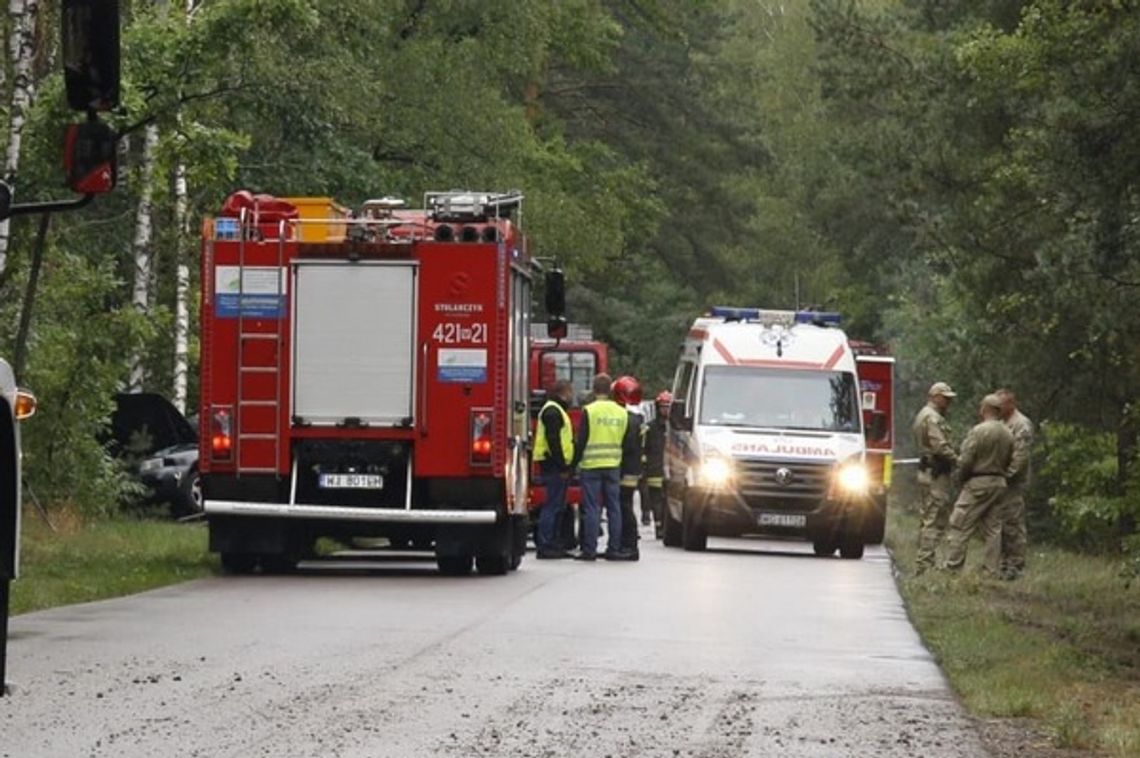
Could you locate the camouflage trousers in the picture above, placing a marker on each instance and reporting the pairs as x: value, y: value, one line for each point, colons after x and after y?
x: 979, y: 505
x: 1014, y: 537
x: 935, y: 513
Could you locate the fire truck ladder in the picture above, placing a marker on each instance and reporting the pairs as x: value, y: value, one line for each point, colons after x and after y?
x: 244, y: 369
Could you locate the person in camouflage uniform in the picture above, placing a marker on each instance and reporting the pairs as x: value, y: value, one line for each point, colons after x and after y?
x: 987, y: 453
x: 1014, y: 537
x: 936, y: 462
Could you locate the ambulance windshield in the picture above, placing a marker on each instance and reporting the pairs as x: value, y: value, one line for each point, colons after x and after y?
x: 750, y: 396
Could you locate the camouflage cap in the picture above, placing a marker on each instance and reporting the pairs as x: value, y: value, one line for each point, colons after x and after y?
x: 993, y: 401
x: 941, y: 388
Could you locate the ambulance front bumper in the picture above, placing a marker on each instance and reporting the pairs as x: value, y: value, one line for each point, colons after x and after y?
x: 343, y: 513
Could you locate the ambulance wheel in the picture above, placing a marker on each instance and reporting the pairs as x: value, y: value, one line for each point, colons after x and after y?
x: 823, y: 549
x: 671, y: 530
x: 238, y: 563
x: 851, y: 549
x: 454, y: 565
x: 693, y: 537
x: 492, y: 564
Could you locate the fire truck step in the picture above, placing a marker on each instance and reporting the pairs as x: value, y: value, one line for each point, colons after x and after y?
x: 257, y: 436
x: 260, y: 335
x: 258, y: 403
x: 259, y: 369
x: 256, y: 470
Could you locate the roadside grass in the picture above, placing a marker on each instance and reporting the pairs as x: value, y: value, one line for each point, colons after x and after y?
x: 1060, y: 646
x: 82, y: 561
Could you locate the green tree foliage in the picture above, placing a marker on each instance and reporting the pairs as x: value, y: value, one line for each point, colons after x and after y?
x: 957, y: 178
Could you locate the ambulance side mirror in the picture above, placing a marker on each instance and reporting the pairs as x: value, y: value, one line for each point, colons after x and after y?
x: 877, y: 430
x: 90, y: 43
x: 679, y: 418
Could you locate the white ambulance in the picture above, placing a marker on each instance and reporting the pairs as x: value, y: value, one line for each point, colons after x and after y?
x: 767, y: 434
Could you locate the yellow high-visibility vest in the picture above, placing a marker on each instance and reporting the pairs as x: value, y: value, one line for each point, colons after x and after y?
x: 565, y: 435
x: 608, y: 422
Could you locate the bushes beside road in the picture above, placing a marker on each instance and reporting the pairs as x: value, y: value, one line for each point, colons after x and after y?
x: 1058, y: 650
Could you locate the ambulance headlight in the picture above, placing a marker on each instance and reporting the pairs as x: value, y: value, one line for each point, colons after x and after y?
x: 853, y: 479
x: 715, y: 472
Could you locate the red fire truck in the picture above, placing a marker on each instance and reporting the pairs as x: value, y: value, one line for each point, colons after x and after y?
x: 367, y: 376
x: 578, y: 359
x: 876, y: 369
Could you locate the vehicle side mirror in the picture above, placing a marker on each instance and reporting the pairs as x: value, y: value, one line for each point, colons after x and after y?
x: 877, y: 430
x: 679, y: 418
x: 555, y: 286
x: 90, y: 157
x: 90, y: 43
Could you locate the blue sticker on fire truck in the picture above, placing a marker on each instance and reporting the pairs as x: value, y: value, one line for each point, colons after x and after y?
x: 462, y: 365
x: 249, y: 291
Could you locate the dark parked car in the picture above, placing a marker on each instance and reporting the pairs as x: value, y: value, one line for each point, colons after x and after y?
x: 160, y: 446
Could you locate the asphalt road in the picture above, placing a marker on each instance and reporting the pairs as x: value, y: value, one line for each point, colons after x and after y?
x: 753, y: 648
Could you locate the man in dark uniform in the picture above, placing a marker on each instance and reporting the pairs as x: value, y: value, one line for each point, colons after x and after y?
x: 655, y: 436
x: 554, y: 450
x: 626, y: 391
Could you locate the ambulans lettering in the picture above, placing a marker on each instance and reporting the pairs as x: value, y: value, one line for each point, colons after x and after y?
x: 781, y: 448
x: 452, y: 333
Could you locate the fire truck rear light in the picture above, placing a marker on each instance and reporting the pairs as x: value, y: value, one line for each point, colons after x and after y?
x: 481, y: 437
x: 221, y: 434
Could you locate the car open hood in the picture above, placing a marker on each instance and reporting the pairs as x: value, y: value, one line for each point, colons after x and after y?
x: 144, y: 422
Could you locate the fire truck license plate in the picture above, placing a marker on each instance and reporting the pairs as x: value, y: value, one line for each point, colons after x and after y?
x: 351, y: 481
x: 794, y: 520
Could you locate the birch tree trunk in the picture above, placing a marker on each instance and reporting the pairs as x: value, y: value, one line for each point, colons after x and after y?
x: 22, y: 53
x: 182, y: 287
x: 143, y: 246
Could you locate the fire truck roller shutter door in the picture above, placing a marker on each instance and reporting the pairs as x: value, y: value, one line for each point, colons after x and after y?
x: 354, y: 335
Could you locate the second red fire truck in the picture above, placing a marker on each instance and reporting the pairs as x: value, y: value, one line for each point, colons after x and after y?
x: 368, y: 376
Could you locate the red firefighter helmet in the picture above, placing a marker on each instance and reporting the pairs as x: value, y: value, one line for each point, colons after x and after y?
x: 665, y: 397
x: 626, y: 390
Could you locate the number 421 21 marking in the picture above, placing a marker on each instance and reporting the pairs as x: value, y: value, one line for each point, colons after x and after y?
x: 452, y: 333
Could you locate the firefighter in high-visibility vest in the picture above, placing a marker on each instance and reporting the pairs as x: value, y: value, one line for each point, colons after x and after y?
x: 627, y: 391
x: 554, y: 451
x: 597, y: 454
x: 655, y: 435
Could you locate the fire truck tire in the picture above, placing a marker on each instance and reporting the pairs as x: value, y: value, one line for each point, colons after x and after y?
x: 238, y: 563
x: 492, y: 564
x: 823, y: 549
x: 852, y: 549
x: 278, y: 563
x: 521, y: 527
x: 693, y: 536
x: 671, y: 531
x: 454, y: 565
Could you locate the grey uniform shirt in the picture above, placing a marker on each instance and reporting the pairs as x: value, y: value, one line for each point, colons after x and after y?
x: 986, y: 451
x: 1022, y: 430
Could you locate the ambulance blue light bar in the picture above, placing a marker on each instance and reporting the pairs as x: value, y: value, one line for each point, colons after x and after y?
x: 730, y: 313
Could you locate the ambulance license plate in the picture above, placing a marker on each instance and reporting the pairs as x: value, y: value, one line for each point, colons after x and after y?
x: 790, y: 520
x: 351, y: 482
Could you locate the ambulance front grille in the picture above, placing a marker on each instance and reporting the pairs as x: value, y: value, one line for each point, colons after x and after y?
x: 791, y: 484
